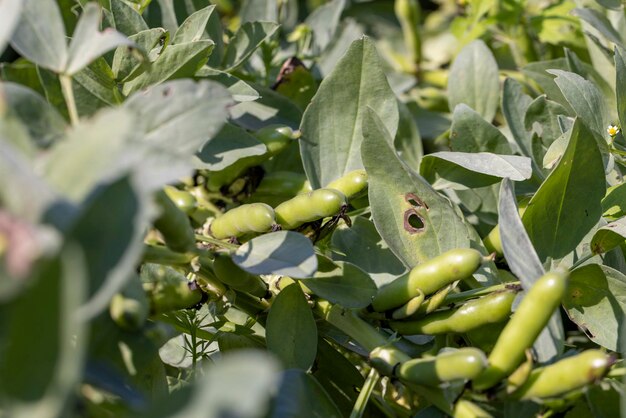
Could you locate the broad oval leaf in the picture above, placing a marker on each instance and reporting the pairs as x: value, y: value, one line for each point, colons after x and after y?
x: 473, y: 80
x: 471, y: 133
x: 9, y: 17
x: 88, y: 43
x: 284, y: 252
x: 609, y: 236
x: 324, y: 22
x: 468, y: 170
x: 301, y: 395
x: 248, y: 38
x: 43, y: 44
x: 601, y: 23
x: 525, y: 265
x: 514, y: 106
x: 123, y: 18
x: 332, y: 124
x: 194, y: 28
x: 230, y: 144
x: 362, y: 246
x: 620, y: 84
x: 416, y: 222
x: 290, y: 331
x: 614, y: 203
x: 343, y: 283
x: 567, y: 204
x: 596, y: 301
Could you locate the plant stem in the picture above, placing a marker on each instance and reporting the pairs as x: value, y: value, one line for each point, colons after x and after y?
x: 366, y: 391
x: 217, y: 242
x: 68, y: 94
x: 582, y: 260
x: 470, y: 294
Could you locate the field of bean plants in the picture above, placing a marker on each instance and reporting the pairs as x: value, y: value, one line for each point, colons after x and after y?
x: 312, y: 208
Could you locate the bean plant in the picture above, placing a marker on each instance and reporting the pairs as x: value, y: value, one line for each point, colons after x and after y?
x: 320, y: 208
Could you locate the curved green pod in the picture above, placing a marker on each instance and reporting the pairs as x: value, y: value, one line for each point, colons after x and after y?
x: 462, y: 364
x: 531, y: 316
x: 168, y: 290
x: 183, y: 200
x: 567, y: 375
x: 253, y: 217
x: 428, y: 277
x: 173, y: 224
x: 493, y: 308
x: 230, y: 274
x: 309, y: 207
x: 351, y: 184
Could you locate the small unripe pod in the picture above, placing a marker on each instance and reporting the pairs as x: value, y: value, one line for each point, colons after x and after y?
x: 309, y: 207
x: 229, y: 273
x: 183, y: 200
x: 464, y: 363
x: 173, y: 224
x: 489, y: 309
x: 253, y: 217
x: 351, y: 184
x: 428, y: 277
x: 569, y: 374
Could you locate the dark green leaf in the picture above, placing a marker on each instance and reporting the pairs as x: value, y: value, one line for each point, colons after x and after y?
x: 330, y: 150
x: 291, y: 333
x: 567, y: 205
x: 600, y: 22
x: 324, y: 22
x: 124, y: 18
x: 595, y: 301
x: 95, y: 88
x: 284, y: 252
x: 301, y: 396
x: 473, y: 80
x: 241, y: 91
x: 128, y: 64
x: 614, y: 203
x: 620, y: 84
x: 514, y: 106
x: 230, y: 144
x: 194, y: 28
x: 247, y: 39
x: 609, y: 236
x: 271, y: 108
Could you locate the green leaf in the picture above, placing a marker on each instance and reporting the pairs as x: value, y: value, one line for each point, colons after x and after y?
x: 614, y: 203
x: 297, y: 83
x: 324, y: 22
x: 538, y: 72
x: 239, y: 385
x: 195, y: 27
x: 44, y: 44
x: 408, y: 142
x: 609, y: 236
x: 88, y: 43
x: 113, y: 256
x: 586, y: 100
x: 254, y: 10
x: 301, y: 395
x: 514, y: 106
x: 291, y: 332
x: 342, y: 283
x: 229, y: 145
x: 595, y: 301
x: 416, y: 222
x: 176, y: 61
x: 128, y: 64
x: 542, y: 118
x: 248, y: 38
x: 620, y: 84
x: 45, y: 125
x: 271, y: 108
x: 468, y: 170
x: 330, y: 150
x: 567, y: 205
x: 41, y: 323
x: 473, y: 80
x: 180, y: 116
x: 471, y: 133
x: 95, y: 88
x: 524, y: 263
x: 284, y: 252
x: 10, y: 11
x: 601, y: 23
x: 362, y: 246
x: 241, y: 90
x: 124, y: 18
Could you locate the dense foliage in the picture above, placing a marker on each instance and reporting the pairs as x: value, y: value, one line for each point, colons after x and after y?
x: 289, y: 208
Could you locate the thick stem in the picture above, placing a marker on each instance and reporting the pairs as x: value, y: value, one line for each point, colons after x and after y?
x: 366, y: 392
x: 68, y: 94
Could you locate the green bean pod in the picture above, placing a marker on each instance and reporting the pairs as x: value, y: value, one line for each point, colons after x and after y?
x: 183, y: 200
x: 174, y: 225
x: 351, y: 184
x: 462, y: 364
x: 531, y: 316
x: 493, y: 308
x: 309, y: 207
x: 567, y: 375
x: 253, y: 217
x: 428, y: 277
x: 278, y: 186
x: 167, y: 289
x: 230, y: 274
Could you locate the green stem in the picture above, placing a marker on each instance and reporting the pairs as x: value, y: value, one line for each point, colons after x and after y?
x: 217, y: 242
x: 582, y: 260
x: 366, y: 391
x: 618, y: 372
x: 470, y: 294
x: 68, y: 94
x: 157, y: 254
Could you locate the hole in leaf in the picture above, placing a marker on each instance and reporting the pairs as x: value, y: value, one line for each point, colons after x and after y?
x: 414, y: 200
x: 413, y: 223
